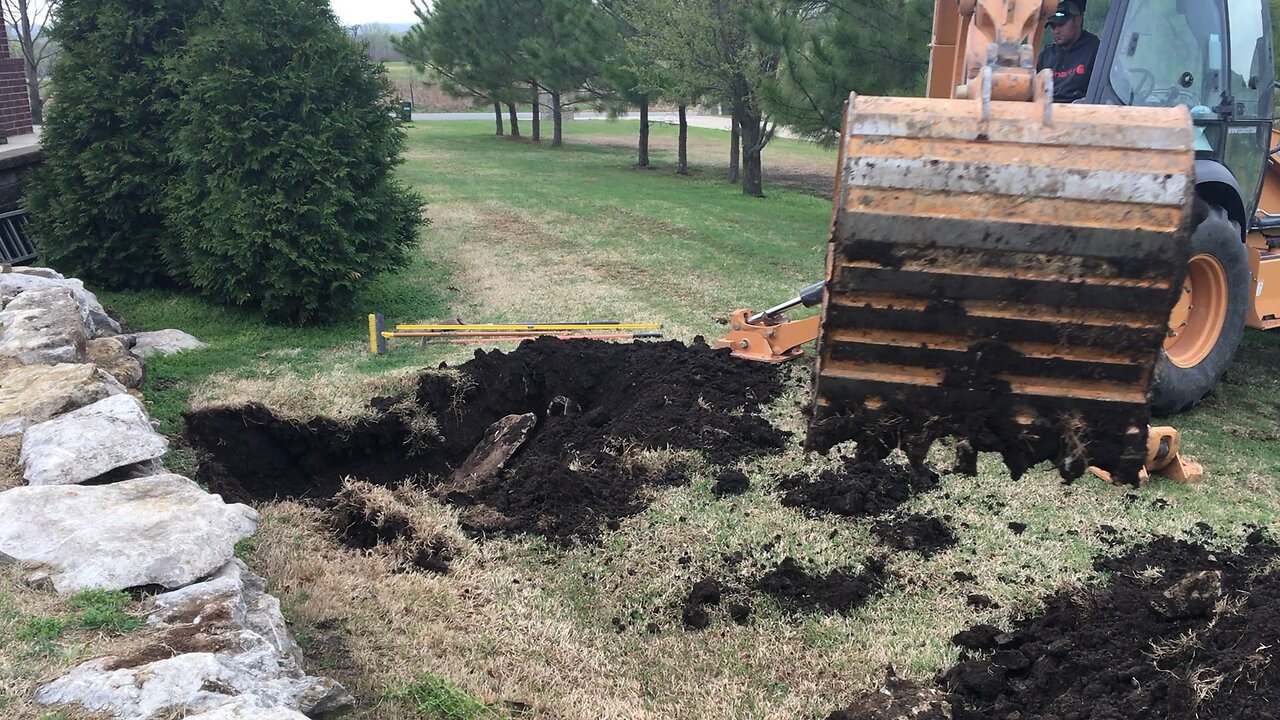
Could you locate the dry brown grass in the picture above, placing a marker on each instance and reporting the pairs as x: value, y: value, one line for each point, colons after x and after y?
x: 417, y: 529
x: 27, y: 663
x: 10, y: 465
x: 339, y: 392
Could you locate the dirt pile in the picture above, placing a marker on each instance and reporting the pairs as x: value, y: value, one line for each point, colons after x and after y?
x: 919, y: 533
x: 859, y: 488
x: 597, y: 408
x: 838, y: 591
x: 1178, y: 632
x: 705, y: 592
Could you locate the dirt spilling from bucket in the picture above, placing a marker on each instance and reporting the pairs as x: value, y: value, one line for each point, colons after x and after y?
x: 1179, y: 632
x: 581, y: 465
x: 859, y: 488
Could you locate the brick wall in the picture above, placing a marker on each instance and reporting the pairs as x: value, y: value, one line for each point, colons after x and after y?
x: 15, y: 104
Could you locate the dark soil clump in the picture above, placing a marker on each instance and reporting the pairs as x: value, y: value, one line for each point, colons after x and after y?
x: 595, y: 404
x: 730, y: 482
x: 838, y: 591
x: 897, y: 699
x: 859, y: 488
x: 919, y: 533
x: 704, y: 592
x: 1179, y: 632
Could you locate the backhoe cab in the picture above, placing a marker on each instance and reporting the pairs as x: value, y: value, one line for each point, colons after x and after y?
x: 1035, y: 279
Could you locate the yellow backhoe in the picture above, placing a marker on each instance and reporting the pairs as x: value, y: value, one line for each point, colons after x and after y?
x: 1036, y: 278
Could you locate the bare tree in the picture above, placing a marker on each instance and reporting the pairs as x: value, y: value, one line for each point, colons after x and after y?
x: 30, y: 18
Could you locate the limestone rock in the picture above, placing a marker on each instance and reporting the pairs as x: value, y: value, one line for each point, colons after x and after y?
x: 164, y: 342
x: 160, y: 530
x: 192, y: 683
x: 234, y: 593
x: 112, y: 355
x: 238, y: 711
x: 210, y: 652
x: 225, y: 631
x: 46, y: 273
x: 14, y: 284
x: 86, y: 443
x: 43, y: 326
x: 35, y: 393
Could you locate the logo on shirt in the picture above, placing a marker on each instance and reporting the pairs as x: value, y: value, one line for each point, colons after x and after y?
x: 1060, y: 74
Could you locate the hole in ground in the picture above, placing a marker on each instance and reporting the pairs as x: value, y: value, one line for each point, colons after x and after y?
x: 597, y: 406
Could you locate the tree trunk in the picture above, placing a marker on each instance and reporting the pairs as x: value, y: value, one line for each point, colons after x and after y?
x: 557, y: 119
x: 682, y: 163
x: 29, y: 65
x: 642, y: 158
x: 515, y: 122
x: 497, y: 117
x: 747, y: 117
x: 733, y: 148
x: 537, y: 118
x: 752, y: 144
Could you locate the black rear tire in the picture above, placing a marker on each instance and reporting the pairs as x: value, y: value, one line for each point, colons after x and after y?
x: 1178, y: 389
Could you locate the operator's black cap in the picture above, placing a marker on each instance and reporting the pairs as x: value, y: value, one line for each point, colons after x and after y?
x: 1066, y: 11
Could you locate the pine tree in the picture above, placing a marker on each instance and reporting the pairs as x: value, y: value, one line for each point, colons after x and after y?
x: 568, y: 40
x: 96, y: 202
x: 874, y: 47
x: 286, y: 201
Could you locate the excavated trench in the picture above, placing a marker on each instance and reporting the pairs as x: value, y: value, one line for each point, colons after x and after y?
x: 569, y: 469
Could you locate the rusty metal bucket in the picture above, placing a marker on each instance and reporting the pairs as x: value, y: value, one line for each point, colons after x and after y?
x: 1001, y: 272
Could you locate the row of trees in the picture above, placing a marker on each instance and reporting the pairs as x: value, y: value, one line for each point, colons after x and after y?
x: 771, y: 61
x: 241, y: 148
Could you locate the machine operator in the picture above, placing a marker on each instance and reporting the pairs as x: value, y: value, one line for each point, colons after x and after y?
x: 1072, y: 53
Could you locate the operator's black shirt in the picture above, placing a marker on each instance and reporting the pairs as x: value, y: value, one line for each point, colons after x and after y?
x: 1071, y: 67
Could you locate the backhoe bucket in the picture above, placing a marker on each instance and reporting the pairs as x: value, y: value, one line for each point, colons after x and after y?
x: 1005, y: 279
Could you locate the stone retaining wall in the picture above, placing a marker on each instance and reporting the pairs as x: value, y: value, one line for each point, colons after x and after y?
x: 99, y: 510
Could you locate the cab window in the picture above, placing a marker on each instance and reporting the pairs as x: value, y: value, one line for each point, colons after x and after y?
x: 1170, y: 52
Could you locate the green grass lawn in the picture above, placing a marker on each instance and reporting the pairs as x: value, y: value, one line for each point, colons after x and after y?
x: 525, y: 232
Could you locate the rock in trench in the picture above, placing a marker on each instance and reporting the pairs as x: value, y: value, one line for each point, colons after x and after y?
x: 86, y: 443
x: 160, y: 530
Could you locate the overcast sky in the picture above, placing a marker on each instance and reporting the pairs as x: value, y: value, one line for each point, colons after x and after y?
x: 362, y: 12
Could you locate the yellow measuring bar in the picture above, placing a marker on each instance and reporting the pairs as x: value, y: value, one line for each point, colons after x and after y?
x: 538, y: 326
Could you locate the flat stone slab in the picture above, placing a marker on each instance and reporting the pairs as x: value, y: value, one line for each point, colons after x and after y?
x: 35, y: 393
x: 191, y: 683
x: 219, y: 647
x: 238, y: 711
x: 163, y: 342
x: 86, y: 443
x: 43, y: 326
x: 17, y: 282
x: 159, y: 530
